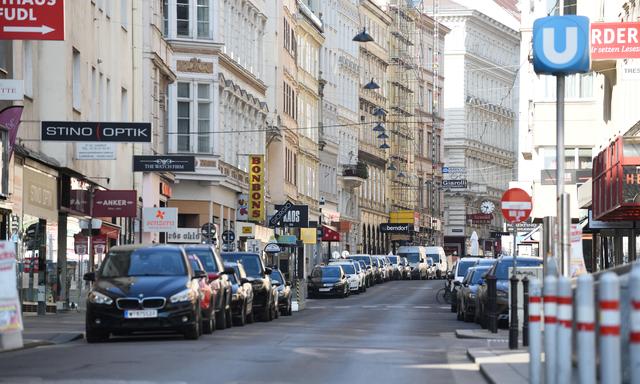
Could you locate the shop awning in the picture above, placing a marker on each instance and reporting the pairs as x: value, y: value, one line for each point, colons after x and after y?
x: 330, y: 234
x: 111, y: 231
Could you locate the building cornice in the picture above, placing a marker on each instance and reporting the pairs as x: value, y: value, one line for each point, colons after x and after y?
x: 232, y: 66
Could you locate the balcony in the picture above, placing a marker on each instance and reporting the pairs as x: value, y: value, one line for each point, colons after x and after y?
x: 354, y: 175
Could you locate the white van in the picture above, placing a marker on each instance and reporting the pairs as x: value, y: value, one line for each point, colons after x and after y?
x: 417, y: 260
x: 439, y: 259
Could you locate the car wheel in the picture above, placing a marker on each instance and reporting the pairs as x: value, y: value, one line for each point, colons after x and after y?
x: 221, y: 317
x: 193, y: 332
x: 229, y: 318
x: 242, y: 319
x: 266, y: 313
x: 207, y: 325
x: 250, y: 317
x: 290, y: 308
x: 459, y: 314
x: 93, y: 336
x: 276, y: 311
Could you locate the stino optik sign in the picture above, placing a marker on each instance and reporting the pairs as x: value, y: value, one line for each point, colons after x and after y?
x: 256, y: 188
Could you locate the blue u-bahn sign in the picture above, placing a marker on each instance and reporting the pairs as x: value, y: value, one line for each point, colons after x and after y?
x: 561, y: 45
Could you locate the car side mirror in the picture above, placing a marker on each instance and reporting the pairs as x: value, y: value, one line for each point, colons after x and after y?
x: 89, y: 276
x: 450, y: 276
x: 267, y: 271
x: 288, y: 283
x: 309, y: 277
x: 213, y: 276
x: 199, y: 274
x: 229, y: 270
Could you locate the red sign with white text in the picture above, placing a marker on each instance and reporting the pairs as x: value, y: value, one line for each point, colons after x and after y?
x: 32, y: 20
x: 516, y: 205
x: 115, y: 203
x: 611, y: 41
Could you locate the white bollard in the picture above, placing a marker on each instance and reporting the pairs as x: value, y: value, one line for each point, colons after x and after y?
x: 549, y: 290
x: 609, y: 329
x: 535, y: 332
x: 634, y: 335
x: 586, y: 326
x: 565, y: 324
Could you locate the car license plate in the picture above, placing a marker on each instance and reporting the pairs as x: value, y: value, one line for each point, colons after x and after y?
x: 325, y: 289
x: 141, y: 314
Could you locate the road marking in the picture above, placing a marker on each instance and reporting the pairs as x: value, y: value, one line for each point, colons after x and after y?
x: 395, y: 306
x: 316, y: 307
x: 369, y: 306
x: 343, y: 306
x: 445, y: 307
x: 421, y: 306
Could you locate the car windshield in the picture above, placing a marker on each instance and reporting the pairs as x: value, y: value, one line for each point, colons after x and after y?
x: 144, y: 262
x: 412, y: 257
x: 429, y: 261
x: 348, y: 268
x: 393, y: 259
x: 206, y: 258
x: 434, y: 256
x: 366, y: 260
x: 277, y: 276
x: 477, y: 275
x: 250, y: 262
x: 326, y: 272
x: 502, y: 270
x: 463, y: 267
x: 362, y: 264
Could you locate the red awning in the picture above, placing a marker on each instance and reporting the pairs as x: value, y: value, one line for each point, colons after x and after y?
x: 329, y: 234
x: 111, y: 231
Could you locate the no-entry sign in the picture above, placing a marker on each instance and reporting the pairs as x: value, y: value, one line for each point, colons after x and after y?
x: 32, y: 20
x: 516, y: 205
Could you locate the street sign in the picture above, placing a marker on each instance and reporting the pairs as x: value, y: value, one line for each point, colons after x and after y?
x: 280, y: 214
x: 455, y: 184
x: 568, y: 33
x: 228, y: 236
x: 208, y: 230
x: 32, y: 20
x: 516, y: 205
x: 454, y: 170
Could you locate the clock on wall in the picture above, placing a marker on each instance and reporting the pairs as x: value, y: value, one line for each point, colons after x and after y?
x: 487, y: 207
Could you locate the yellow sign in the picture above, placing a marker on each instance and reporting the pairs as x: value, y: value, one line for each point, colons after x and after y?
x: 256, y: 188
x: 403, y: 217
x: 308, y: 235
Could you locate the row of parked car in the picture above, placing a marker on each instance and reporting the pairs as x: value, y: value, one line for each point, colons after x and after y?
x: 355, y: 273
x: 188, y: 289
x: 470, y: 298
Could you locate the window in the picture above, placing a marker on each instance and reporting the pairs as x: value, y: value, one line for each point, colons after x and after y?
x: 76, y: 80
x: 184, y: 116
x: 204, y: 116
x: 94, y: 93
x: 124, y: 13
x: 27, y: 67
x: 570, y: 7
x: 203, y: 18
x: 101, y: 97
x: 194, y: 110
x: 165, y: 17
x: 124, y: 104
x: 182, y: 18
x: 290, y: 100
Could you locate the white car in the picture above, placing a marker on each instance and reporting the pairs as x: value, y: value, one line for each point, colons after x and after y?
x: 356, y: 281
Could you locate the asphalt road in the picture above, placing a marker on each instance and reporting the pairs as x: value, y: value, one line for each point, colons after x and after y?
x: 394, y: 333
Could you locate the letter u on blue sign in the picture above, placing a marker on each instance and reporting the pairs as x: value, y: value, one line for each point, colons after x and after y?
x: 561, y: 45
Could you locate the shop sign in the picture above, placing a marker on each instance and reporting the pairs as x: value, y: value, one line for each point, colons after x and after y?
x: 10, y: 121
x: 256, y: 188
x: 115, y: 203
x: 32, y: 20
x: 242, y: 210
x: 630, y: 69
x: 74, y: 131
x: 165, y: 189
x: 95, y: 151
x: 79, y: 200
x: 480, y: 218
x: 329, y: 216
x: 455, y: 184
x: 246, y: 230
x: 159, y: 219
x: 12, y: 90
x: 184, y: 235
x: 164, y: 163
x: 308, y: 235
x: 397, y: 228
x: 41, y: 198
x: 617, y: 40
x: 296, y: 216
x: 287, y: 240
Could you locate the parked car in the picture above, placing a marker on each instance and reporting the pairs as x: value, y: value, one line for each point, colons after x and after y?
x: 362, y: 274
x: 382, y: 270
x: 485, y: 261
x: 500, y: 269
x: 206, y: 296
x: 407, y: 268
x: 367, y: 273
x: 144, y: 288
x: 242, y: 298
x: 439, y: 259
x: 387, y: 263
x: 368, y: 261
x: 395, y: 264
x: 328, y: 280
x: 219, y: 281
x: 265, y: 295
x: 284, y: 292
x: 431, y: 269
x: 356, y: 283
x: 458, y: 273
x: 417, y: 260
x: 468, y: 291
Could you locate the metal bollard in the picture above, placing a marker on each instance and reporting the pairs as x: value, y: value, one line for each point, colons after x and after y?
x: 634, y: 336
x: 609, y: 303
x: 513, y: 323
x: 586, y: 326
x: 492, y: 297
x: 565, y: 324
x: 550, y: 290
x: 525, y: 312
x: 534, y: 331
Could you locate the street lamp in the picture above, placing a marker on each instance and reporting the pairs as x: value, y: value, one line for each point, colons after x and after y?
x: 391, y: 167
x: 384, y: 145
x: 371, y: 85
x: 363, y: 37
x: 383, y: 136
x: 379, y: 112
x: 378, y: 128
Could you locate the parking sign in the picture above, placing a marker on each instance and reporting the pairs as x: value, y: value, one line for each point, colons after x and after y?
x: 561, y: 45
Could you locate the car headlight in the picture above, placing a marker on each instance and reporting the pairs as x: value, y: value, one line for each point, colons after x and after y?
x: 502, y: 294
x: 182, y: 296
x: 99, y: 298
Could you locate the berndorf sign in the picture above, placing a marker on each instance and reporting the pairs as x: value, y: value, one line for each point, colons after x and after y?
x: 397, y: 228
x: 96, y: 131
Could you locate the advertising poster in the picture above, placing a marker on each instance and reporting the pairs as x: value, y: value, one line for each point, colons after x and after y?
x: 10, y: 317
x: 577, y: 259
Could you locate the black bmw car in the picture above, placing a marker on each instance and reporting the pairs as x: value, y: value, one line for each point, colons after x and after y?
x: 143, y: 288
x: 328, y: 280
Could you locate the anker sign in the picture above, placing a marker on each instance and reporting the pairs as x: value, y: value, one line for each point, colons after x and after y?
x: 396, y: 228
x: 96, y: 131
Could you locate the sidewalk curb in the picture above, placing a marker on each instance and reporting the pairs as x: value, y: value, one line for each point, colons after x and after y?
x: 57, y: 340
x: 470, y: 334
x: 493, y: 370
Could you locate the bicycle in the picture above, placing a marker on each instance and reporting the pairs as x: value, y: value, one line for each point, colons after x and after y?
x: 444, y: 294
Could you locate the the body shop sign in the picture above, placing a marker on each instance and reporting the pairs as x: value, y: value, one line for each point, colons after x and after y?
x: 256, y: 188
x: 160, y: 219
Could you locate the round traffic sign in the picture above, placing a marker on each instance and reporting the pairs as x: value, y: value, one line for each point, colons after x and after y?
x: 228, y: 236
x: 208, y: 230
x: 516, y: 205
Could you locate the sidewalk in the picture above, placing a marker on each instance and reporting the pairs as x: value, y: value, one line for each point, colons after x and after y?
x: 52, y: 329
